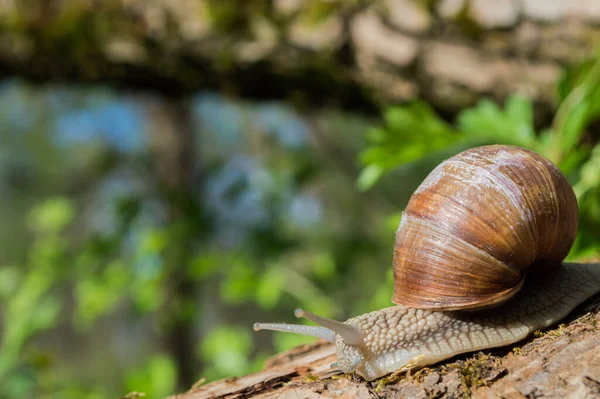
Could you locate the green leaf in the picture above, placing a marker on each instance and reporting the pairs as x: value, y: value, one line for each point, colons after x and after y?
x: 147, y: 294
x: 153, y: 241
x: 206, y: 265
x: 157, y: 379
x: 573, y: 127
x: 571, y: 77
x: 410, y: 132
x: 52, y: 216
x: 414, y: 131
x: 240, y: 281
x: 589, y: 175
x: 488, y: 123
x: 382, y: 297
x: 580, y: 106
x: 96, y: 297
x: 46, y: 313
x: 369, y: 176
x: 10, y: 277
x: 324, y: 266
x: 519, y: 111
x: 226, y: 349
x: 270, y: 288
x: 571, y: 162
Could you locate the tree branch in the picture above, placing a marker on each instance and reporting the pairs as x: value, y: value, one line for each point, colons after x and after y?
x: 561, y: 362
x: 356, y: 54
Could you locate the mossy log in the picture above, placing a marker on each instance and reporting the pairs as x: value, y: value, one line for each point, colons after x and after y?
x: 563, y: 362
x: 354, y: 54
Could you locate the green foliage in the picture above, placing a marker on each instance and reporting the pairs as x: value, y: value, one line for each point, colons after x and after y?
x: 29, y: 304
x: 244, y: 251
x: 416, y: 131
x: 580, y: 103
x: 589, y: 175
x: 408, y: 136
x: 486, y: 122
x: 157, y: 378
x: 97, y: 295
x: 52, y: 216
x: 270, y: 288
x: 227, y: 348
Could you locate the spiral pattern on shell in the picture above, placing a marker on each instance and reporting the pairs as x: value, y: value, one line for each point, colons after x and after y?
x: 478, y: 224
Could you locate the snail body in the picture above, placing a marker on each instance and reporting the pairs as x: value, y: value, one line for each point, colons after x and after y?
x: 480, y: 223
x: 409, y: 337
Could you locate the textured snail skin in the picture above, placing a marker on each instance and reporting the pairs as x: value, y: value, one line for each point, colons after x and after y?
x: 401, y: 337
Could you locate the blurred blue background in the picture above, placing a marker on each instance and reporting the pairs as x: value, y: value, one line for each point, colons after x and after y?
x: 112, y: 250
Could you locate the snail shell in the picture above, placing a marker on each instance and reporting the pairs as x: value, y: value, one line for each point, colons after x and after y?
x: 478, y: 224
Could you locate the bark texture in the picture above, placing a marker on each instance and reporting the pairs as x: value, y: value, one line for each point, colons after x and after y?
x: 355, y: 54
x: 563, y: 362
x: 175, y: 167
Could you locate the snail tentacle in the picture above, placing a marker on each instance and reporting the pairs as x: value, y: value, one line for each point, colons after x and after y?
x: 312, y: 331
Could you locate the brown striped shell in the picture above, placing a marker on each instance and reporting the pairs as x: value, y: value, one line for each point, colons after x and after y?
x: 478, y: 224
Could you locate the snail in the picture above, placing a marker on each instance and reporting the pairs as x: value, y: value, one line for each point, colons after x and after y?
x: 477, y: 264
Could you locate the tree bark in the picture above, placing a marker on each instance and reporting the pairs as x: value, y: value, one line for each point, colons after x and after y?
x: 558, y: 363
x: 173, y: 143
x: 354, y: 54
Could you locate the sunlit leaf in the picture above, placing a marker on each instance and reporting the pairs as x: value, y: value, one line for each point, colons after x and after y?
x: 369, y: 176
x: 580, y: 106
x: 52, y: 215
x: 19, y: 386
x: 571, y: 77
x: 46, y: 313
x: 574, y: 125
x: 9, y: 280
x: 324, y: 266
x: 519, y: 111
x: 98, y: 296
x: 392, y: 221
x: 156, y: 379
x: 384, y: 293
x: 269, y: 288
x: 205, y: 265
x: 226, y: 349
x: 153, y: 241
x: 147, y: 295
x: 488, y: 123
x: 589, y: 174
x: 410, y: 133
x: 240, y: 281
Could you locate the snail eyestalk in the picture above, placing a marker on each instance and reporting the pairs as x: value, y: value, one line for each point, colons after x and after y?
x: 327, y: 331
x: 317, y: 332
x: 349, y: 334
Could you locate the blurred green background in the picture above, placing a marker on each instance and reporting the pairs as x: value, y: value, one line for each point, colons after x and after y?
x: 142, y: 238
x: 104, y: 262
